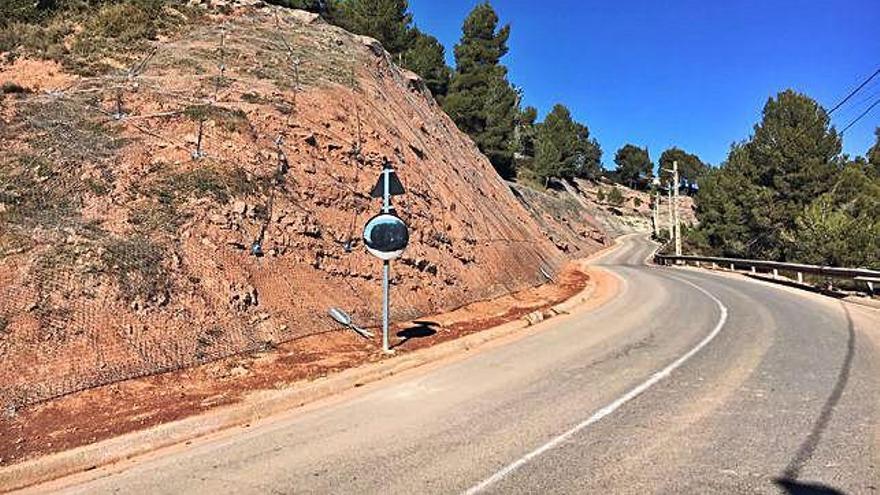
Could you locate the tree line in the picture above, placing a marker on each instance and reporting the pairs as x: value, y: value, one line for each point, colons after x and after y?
x: 479, y: 97
x: 789, y: 194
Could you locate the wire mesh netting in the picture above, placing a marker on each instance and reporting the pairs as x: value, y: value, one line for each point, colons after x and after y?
x: 150, y: 222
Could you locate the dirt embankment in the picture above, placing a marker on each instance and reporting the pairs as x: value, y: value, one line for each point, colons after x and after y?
x: 111, y: 410
x: 208, y: 202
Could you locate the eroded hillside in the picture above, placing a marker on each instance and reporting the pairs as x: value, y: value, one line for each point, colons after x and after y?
x: 208, y: 200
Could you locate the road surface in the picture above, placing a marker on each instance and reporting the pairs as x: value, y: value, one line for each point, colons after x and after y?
x: 686, y: 382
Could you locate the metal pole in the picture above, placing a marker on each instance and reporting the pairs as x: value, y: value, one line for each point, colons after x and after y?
x: 386, y: 282
x: 386, y: 196
x: 386, y: 268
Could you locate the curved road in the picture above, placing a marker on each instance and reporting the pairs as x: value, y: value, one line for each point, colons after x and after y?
x: 686, y: 382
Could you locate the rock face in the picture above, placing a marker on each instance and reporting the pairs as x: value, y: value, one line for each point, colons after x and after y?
x: 127, y: 249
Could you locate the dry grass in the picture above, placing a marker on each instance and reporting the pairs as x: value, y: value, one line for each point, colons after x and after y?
x: 162, y: 207
x: 232, y: 120
x: 46, y: 188
x: 90, y: 39
x: 137, y: 264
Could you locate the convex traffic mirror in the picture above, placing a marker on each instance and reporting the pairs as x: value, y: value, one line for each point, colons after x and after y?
x: 386, y: 236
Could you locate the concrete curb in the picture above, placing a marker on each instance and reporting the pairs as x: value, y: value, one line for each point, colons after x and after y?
x: 256, y: 406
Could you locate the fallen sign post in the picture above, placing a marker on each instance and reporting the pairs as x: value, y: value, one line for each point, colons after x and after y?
x: 386, y: 236
x: 345, y: 320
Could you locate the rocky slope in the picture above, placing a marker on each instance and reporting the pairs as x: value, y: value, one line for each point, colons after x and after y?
x: 130, y: 204
x: 631, y: 213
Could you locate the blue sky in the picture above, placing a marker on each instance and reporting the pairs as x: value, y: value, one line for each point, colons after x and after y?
x: 689, y: 73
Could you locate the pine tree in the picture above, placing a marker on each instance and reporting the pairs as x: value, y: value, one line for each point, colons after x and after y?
x: 873, y: 154
x: 389, y: 21
x: 690, y: 167
x: 795, y: 148
x: 841, y: 227
x: 727, y: 204
x: 557, y: 138
x: 564, y: 148
x: 794, y: 153
x: 481, y: 101
x: 588, y: 154
x: 427, y: 58
x: 761, y: 203
x: 632, y: 163
x: 526, y: 132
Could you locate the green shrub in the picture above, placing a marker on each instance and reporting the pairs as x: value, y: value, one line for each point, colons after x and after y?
x: 127, y: 22
x: 42, y: 41
x: 202, y: 182
x: 14, y: 11
x: 615, y: 197
x: 9, y: 88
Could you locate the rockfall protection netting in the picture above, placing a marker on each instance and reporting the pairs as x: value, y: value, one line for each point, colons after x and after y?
x: 97, y: 297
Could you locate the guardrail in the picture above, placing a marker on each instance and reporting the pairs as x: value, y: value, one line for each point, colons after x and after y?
x: 869, y: 277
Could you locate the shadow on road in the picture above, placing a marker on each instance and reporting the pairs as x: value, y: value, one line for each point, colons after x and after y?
x: 794, y: 487
x: 805, y: 452
x: 788, y: 481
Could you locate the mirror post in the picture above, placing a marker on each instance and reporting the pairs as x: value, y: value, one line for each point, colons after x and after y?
x: 386, y: 282
x: 386, y: 195
x: 386, y: 268
x: 386, y: 236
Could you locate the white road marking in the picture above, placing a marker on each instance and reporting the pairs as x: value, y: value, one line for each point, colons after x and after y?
x: 610, y: 408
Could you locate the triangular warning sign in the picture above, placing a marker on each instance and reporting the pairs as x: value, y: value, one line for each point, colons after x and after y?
x: 394, y: 186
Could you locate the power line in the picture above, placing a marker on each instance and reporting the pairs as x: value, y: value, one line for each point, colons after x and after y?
x: 867, y: 110
x: 868, y: 96
x: 853, y: 92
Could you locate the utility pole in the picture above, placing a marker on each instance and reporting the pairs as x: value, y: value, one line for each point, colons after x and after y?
x: 675, y: 209
x: 674, y: 223
x: 655, y: 207
x: 657, y: 212
x: 671, y: 222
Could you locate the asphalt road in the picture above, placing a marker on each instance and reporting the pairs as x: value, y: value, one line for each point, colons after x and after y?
x: 686, y: 382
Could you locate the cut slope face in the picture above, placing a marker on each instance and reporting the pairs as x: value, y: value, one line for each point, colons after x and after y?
x: 130, y: 205
x: 628, y: 211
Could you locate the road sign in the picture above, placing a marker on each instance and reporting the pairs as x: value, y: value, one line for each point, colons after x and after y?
x: 386, y: 236
x: 395, y: 188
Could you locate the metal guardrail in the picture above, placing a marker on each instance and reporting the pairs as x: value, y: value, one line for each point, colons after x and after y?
x: 870, y: 277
